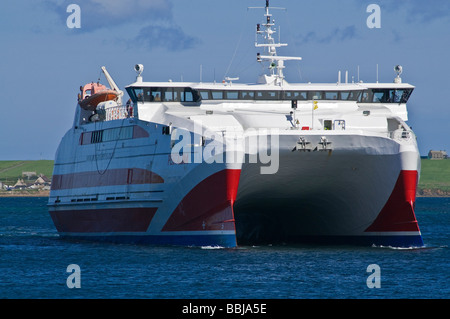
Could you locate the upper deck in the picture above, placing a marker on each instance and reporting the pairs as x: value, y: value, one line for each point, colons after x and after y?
x: 198, y: 93
x: 272, y: 93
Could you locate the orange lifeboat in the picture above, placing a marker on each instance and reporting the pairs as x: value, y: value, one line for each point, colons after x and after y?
x: 94, y: 93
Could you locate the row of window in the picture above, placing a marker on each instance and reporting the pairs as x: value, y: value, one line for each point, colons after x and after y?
x: 385, y: 96
x: 163, y: 94
x: 112, y: 134
x: 187, y: 94
x: 278, y: 95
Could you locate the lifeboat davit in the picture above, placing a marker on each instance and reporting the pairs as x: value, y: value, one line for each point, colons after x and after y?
x: 94, y: 93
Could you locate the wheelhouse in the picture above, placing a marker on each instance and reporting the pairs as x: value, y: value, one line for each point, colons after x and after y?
x: 197, y: 95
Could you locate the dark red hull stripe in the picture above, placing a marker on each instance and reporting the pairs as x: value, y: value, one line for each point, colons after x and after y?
x: 209, y: 205
x: 398, y: 212
x: 111, y: 177
x: 103, y: 220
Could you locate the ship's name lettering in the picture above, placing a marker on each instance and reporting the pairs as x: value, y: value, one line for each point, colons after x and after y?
x: 98, y: 157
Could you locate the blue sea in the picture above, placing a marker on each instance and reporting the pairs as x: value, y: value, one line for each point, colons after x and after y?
x: 34, y: 264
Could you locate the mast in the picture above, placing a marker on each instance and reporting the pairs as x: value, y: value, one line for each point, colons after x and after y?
x: 276, y: 63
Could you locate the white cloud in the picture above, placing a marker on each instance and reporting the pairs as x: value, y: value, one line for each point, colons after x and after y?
x: 132, y: 8
x: 172, y: 38
x: 97, y: 14
x: 153, y: 18
x: 337, y: 34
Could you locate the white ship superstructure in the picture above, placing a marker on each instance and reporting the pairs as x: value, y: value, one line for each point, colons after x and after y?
x: 229, y: 163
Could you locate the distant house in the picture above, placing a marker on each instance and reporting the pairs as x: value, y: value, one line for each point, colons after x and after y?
x: 437, y: 155
x: 41, y: 182
x: 20, y: 184
x: 4, y: 186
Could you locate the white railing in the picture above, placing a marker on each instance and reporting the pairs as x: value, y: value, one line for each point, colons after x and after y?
x: 115, y: 113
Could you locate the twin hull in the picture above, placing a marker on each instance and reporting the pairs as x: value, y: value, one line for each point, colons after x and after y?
x: 129, y: 189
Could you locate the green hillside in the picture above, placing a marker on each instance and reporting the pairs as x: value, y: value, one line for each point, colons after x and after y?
x: 435, y: 177
x: 10, y: 171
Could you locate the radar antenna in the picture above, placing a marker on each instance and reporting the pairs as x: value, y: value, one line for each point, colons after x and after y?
x: 398, y: 69
x: 276, y: 63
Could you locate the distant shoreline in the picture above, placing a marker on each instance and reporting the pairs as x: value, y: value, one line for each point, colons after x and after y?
x: 24, y: 193
x: 425, y: 192
x: 420, y: 193
x: 434, y: 177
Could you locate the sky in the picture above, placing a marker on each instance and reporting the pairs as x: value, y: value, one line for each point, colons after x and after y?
x: 44, y: 58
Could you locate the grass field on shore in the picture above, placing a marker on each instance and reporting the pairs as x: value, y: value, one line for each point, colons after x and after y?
x: 434, y: 178
x: 435, y: 175
x: 10, y: 171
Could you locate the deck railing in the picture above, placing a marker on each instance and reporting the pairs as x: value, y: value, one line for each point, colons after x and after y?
x: 116, y: 113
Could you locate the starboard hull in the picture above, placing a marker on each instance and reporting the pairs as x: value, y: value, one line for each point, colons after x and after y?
x: 346, y: 195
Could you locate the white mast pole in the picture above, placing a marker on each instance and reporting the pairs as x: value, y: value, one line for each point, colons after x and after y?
x: 276, y: 65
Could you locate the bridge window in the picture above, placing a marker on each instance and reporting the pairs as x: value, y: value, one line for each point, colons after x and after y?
x: 390, y: 95
x: 164, y: 94
x: 170, y: 96
x: 345, y: 95
x: 295, y: 95
x: 153, y: 94
x: 349, y: 95
x: 188, y: 96
x: 204, y: 94
x: 331, y: 95
x: 137, y: 94
x: 267, y: 95
x: 364, y: 97
x: 315, y: 95
x: 402, y: 95
x: 217, y: 95
x: 232, y: 95
x: 247, y: 95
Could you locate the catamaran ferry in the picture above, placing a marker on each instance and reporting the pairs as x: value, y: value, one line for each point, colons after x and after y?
x: 236, y: 164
